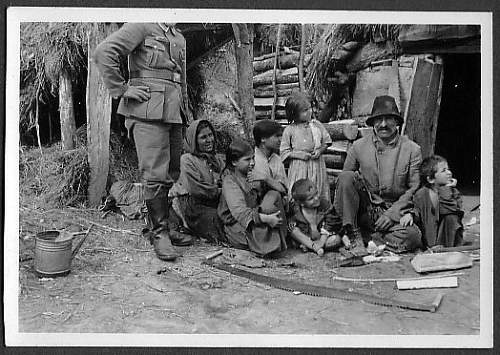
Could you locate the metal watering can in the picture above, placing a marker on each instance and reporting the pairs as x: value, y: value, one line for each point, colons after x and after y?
x: 54, y: 252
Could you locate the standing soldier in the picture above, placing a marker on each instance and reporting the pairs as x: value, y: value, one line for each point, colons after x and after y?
x: 155, y: 104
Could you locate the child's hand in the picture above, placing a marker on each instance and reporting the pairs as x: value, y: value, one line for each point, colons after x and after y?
x: 302, y: 155
x: 452, y: 182
x: 272, y: 220
x: 383, y: 223
x: 315, y: 155
x: 406, y: 220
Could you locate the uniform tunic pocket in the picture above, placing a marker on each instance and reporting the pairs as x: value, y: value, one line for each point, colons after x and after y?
x: 158, y: 53
x: 151, y: 109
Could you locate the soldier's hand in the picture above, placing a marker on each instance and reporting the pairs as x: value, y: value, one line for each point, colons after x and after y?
x: 139, y: 93
x: 383, y: 223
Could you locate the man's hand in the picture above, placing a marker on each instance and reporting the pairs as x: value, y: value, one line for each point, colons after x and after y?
x: 302, y: 155
x: 383, y: 223
x: 272, y: 220
x: 139, y: 93
x: 406, y: 220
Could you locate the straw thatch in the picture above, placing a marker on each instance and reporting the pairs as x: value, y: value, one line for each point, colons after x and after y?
x: 47, y: 49
x: 323, y: 63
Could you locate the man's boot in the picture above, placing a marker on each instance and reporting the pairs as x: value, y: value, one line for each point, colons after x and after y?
x: 158, y: 234
x: 357, y: 246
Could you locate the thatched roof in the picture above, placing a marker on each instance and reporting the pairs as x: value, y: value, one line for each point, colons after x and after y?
x: 326, y: 57
x: 47, y: 49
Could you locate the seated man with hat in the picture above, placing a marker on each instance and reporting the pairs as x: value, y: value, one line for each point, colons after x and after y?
x: 375, y: 189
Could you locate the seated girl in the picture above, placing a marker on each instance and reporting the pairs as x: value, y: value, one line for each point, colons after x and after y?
x: 200, y: 176
x: 249, y: 223
x: 307, y: 219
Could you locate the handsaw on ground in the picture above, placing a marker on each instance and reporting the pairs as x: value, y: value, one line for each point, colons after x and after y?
x: 323, y: 291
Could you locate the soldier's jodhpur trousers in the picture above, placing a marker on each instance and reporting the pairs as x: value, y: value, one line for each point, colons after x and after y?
x: 159, y: 148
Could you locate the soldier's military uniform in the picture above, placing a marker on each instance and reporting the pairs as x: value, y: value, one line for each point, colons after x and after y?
x: 156, y: 59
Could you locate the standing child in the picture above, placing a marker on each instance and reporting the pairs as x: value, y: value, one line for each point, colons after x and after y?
x: 303, y: 143
x: 438, y: 204
x: 308, y: 213
x: 249, y: 223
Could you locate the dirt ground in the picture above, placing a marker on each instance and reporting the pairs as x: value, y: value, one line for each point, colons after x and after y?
x: 117, y: 285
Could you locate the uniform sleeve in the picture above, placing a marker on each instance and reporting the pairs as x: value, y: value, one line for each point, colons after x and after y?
x: 108, y: 55
x: 286, y: 143
x: 237, y: 205
x: 196, y: 186
x: 184, y: 87
x: 351, y: 162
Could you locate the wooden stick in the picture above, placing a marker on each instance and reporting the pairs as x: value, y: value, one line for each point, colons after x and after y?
x: 301, y: 56
x: 274, y: 70
x: 340, y: 278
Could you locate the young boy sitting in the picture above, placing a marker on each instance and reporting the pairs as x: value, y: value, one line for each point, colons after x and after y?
x: 438, y: 204
x: 306, y: 221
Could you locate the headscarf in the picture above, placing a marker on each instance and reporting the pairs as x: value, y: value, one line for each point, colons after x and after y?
x: 191, y: 146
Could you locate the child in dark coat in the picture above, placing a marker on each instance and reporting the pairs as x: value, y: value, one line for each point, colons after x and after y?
x: 438, y: 204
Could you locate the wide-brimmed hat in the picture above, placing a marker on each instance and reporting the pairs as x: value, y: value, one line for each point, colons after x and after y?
x: 384, y: 106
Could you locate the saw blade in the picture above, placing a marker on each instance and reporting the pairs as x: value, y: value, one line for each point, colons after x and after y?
x: 323, y: 291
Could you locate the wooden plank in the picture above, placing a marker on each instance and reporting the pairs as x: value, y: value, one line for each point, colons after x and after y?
x: 66, y: 112
x: 283, y: 86
x: 261, y: 114
x: 443, y: 282
x: 284, y: 62
x: 268, y: 101
x: 98, y: 123
x: 340, y: 131
x: 424, y: 104
x: 373, y: 82
x: 339, y: 146
x: 334, y: 161
x: 270, y: 93
x: 282, y: 76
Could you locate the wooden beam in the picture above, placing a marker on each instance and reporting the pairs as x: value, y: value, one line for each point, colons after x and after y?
x: 98, y: 122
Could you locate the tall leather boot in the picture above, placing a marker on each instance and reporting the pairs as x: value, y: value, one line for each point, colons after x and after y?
x: 158, y: 234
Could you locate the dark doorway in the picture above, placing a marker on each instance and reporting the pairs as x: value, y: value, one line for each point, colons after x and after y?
x: 458, y: 136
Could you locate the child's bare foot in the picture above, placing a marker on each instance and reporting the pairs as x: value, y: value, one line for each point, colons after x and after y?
x: 346, y: 241
x: 318, y: 249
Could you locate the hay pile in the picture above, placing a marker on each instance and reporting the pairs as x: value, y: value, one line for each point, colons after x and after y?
x: 57, y: 178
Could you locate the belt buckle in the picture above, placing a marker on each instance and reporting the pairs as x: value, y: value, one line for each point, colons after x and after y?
x: 177, y: 77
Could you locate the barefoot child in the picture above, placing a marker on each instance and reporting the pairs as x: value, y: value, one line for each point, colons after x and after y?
x: 438, y: 204
x: 303, y: 143
x: 307, y: 219
x: 249, y: 223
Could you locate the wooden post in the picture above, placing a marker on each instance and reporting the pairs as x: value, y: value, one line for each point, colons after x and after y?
x: 66, y: 111
x: 276, y: 55
x: 98, y: 122
x: 243, y: 44
x: 424, y: 103
x: 301, y: 57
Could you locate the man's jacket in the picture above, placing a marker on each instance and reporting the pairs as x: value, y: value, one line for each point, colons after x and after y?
x: 156, y: 59
x: 404, y: 177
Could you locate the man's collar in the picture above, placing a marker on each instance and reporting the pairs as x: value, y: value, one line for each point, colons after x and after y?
x: 166, y: 28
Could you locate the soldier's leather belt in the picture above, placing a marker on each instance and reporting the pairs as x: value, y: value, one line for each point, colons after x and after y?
x: 154, y: 74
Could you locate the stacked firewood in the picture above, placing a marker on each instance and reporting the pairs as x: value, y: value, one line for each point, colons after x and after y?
x: 287, y: 80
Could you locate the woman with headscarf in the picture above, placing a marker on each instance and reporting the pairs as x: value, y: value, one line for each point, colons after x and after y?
x: 200, y: 176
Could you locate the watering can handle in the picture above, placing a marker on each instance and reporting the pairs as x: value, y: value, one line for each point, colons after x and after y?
x: 80, y: 243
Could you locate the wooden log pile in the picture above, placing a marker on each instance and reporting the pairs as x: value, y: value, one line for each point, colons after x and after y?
x: 286, y: 82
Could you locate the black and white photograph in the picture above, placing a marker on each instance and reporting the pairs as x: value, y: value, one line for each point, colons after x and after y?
x: 230, y: 178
